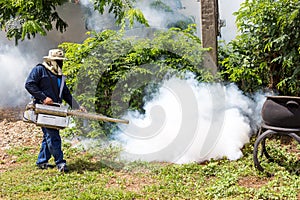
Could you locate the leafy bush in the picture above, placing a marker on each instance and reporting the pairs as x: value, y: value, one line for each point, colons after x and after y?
x: 111, y: 72
x: 21, y: 19
x: 266, y: 53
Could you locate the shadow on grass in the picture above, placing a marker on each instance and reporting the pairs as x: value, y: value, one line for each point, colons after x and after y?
x: 282, y: 151
x: 293, y: 167
x: 81, y: 165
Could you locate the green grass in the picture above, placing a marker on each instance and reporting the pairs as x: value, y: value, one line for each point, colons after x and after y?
x: 99, y: 177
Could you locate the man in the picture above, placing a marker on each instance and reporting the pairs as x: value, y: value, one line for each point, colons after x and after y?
x: 46, y: 84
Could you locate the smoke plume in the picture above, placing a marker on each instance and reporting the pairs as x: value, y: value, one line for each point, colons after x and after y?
x: 191, y: 122
x: 14, y: 65
x: 186, y: 122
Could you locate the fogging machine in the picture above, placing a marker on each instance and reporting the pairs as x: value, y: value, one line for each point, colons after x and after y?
x: 57, y: 116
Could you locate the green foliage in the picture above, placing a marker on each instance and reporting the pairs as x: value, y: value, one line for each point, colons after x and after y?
x: 182, y: 22
x: 111, y: 73
x: 117, y: 7
x: 266, y: 53
x: 134, y: 15
x: 159, y: 5
x: 91, y: 176
x: 25, y: 19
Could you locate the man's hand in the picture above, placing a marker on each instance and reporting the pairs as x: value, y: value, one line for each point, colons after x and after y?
x: 82, y: 109
x: 48, y: 101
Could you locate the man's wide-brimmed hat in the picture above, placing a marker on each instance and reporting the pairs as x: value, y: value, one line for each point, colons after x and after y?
x: 55, y: 54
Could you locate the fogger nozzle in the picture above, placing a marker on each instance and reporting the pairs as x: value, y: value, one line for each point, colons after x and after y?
x: 56, y: 116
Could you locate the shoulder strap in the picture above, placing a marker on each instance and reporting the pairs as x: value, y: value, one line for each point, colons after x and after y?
x: 63, y: 78
x: 52, y: 84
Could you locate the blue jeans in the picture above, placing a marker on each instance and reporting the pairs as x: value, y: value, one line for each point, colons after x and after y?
x: 51, y: 146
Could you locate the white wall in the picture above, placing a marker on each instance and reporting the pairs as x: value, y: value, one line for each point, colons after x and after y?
x: 226, y: 10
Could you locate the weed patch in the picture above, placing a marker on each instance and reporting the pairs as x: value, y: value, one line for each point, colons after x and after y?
x: 94, y: 177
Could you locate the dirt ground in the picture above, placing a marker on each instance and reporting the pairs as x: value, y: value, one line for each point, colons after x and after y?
x: 15, y: 133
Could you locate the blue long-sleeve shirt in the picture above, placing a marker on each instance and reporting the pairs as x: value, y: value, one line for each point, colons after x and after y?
x: 39, y: 85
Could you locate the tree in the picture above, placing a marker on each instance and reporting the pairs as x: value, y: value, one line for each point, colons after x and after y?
x: 266, y: 53
x: 27, y: 18
x: 110, y: 73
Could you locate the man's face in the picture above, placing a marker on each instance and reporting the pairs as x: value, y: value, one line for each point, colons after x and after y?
x: 59, y: 63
